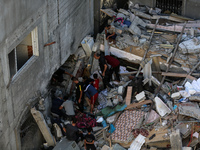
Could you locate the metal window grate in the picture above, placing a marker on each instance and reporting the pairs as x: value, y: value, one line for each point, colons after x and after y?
x: 174, y: 6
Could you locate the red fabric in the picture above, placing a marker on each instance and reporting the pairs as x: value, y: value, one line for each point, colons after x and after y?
x: 96, y: 84
x: 93, y: 99
x: 112, y: 61
x: 85, y: 122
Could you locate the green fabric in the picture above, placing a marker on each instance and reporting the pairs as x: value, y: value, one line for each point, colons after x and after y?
x: 108, y: 111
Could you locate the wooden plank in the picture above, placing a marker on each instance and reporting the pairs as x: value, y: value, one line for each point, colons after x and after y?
x: 137, y: 105
x: 181, y: 75
x: 109, y: 12
x: 128, y: 95
x: 159, y: 140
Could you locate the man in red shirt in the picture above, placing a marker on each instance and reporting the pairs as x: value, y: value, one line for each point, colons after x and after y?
x: 115, y: 64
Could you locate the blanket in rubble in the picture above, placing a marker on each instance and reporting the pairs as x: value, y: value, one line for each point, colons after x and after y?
x: 125, y: 124
x: 85, y: 121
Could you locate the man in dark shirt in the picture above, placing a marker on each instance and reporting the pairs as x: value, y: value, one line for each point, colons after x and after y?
x: 115, y: 64
x: 104, y: 69
x: 79, y: 93
x: 72, y: 131
x: 89, y: 140
x: 56, y: 103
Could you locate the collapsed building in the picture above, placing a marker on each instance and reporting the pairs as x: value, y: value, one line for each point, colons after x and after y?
x: 39, y: 37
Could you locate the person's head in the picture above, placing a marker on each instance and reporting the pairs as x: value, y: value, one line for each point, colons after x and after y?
x: 89, y: 129
x: 74, y: 120
x: 58, y: 94
x: 108, y: 26
x: 95, y: 76
x: 75, y: 80
x: 85, y: 78
x: 96, y: 55
x: 65, y: 97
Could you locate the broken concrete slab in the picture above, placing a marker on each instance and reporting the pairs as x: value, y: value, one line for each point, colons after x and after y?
x: 141, y: 96
x: 189, y: 109
x: 66, y: 144
x: 39, y: 118
x: 189, y: 47
x: 175, y: 140
x: 138, y: 142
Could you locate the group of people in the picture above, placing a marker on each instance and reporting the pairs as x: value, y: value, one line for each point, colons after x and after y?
x: 75, y: 134
x: 89, y: 88
x: 63, y: 107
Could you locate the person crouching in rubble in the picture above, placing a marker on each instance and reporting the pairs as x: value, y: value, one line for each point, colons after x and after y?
x: 104, y: 69
x: 92, y: 94
x: 72, y: 132
x: 68, y: 108
x: 79, y: 93
x: 115, y: 64
x: 110, y: 33
x: 89, y: 140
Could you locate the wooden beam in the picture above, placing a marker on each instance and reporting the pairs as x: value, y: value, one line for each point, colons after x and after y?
x: 138, y: 105
x: 128, y: 95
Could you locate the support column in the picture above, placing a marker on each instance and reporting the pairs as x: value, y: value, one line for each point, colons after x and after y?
x: 96, y: 17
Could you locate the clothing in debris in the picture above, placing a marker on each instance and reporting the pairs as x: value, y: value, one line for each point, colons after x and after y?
x: 79, y: 91
x: 90, y: 139
x: 115, y: 64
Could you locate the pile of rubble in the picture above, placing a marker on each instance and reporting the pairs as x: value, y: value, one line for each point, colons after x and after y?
x: 154, y: 107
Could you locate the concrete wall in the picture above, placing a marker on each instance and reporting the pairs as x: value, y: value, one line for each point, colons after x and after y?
x: 66, y: 22
x: 191, y: 9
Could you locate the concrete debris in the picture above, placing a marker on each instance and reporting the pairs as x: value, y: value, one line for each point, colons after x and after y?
x: 175, y: 140
x: 123, y: 110
x: 137, y: 143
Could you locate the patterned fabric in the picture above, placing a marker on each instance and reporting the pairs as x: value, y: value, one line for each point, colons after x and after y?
x: 128, y: 121
x: 84, y: 121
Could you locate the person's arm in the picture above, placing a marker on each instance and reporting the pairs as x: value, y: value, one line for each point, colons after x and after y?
x: 61, y: 107
x: 89, y: 142
x: 85, y: 143
x: 81, y: 94
x: 106, y: 30
x: 110, y: 36
x: 105, y: 68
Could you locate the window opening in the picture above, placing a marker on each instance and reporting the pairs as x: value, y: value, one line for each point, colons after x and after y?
x: 26, y: 49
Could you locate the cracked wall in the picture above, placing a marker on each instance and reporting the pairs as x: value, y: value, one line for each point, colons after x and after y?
x: 66, y: 23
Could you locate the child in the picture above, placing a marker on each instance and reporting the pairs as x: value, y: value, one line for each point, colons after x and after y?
x: 96, y: 81
x: 89, y: 140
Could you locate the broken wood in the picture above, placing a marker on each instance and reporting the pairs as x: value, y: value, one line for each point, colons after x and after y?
x: 109, y: 12
x: 49, y: 44
x: 148, y: 47
x: 138, y: 105
x: 181, y: 75
x: 128, y: 95
x: 172, y: 58
x: 192, y: 71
